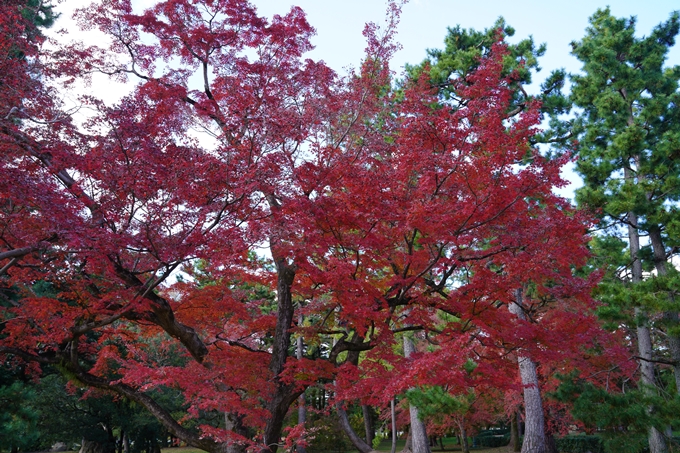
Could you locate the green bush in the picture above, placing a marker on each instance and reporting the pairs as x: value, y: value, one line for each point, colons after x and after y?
x: 493, y: 441
x: 327, y: 437
x: 580, y: 444
x: 492, y: 438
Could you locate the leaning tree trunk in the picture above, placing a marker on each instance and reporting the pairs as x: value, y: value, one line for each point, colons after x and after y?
x: 534, y: 423
x: 357, y: 441
x: 657, y: 443
x: 421, y: 443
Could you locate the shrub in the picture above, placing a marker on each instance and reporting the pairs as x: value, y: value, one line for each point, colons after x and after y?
x: 580, y: 444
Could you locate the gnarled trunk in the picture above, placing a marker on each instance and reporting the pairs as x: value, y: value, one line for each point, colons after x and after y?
x: 285, y: 394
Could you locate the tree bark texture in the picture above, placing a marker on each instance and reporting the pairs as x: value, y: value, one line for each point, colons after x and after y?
x: 421, y: 444
x: 514, y: 433
x: 284, y: 395
x: 302, y: 409
x: 670, y: 317
x: 393, y: 412
x: 368, y: 423
x: 534, y: 422
x: 464, y: 445
x: 657, y: 443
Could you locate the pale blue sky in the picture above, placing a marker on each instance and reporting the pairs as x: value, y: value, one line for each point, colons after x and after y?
x: 339, y: 41
x: 339, y: 24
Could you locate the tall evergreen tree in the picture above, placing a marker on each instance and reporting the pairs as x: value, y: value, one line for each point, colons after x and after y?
x: 629, y: 158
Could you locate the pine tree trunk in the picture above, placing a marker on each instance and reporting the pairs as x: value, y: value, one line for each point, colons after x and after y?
x: 657, y: 443
x: 670, y: 317
x: 464, y: 445
x: 408, y: 445
x: 421, y: 443
x: 534, y: 423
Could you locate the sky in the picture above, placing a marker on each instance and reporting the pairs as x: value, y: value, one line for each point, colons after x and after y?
x: 340, y: 43
x: 424, y: 22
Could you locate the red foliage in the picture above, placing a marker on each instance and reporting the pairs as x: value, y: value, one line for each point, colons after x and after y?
x: 382, y: 212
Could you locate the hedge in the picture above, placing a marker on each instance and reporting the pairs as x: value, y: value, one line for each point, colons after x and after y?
x: 580, y: 444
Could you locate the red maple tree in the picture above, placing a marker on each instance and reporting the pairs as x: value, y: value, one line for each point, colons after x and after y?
x: 383, y: 211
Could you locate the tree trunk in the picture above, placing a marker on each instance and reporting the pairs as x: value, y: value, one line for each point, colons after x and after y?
x: 394, y: 426
x: 234, y: 423
x: 670, y: 317
x: 368, y: 423
x: 408, y: 445
x: 421, y: 443
x: 90, y: 446
x: 657, y: 444
x: 126, y: 443
x: 302, y: 409
x: 464, y: 445
x: 550, y: 444
x: 514, y: 433
x: 534, y: 423
x: 357, y: 441
x: 284, y: 395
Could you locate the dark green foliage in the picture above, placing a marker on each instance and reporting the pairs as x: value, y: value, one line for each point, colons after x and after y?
x: 461, y: 55
x: 40, y: 13
x: 463, y: 50
x: 18, y: 417
x: 327, y: 436
x: 435, y: 402
x: 580, y: 444
x: 630, y: 116
x: 621, y: 419
x: 492, y: 438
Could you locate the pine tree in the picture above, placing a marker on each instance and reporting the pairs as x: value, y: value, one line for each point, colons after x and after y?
x: 628, y: 157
